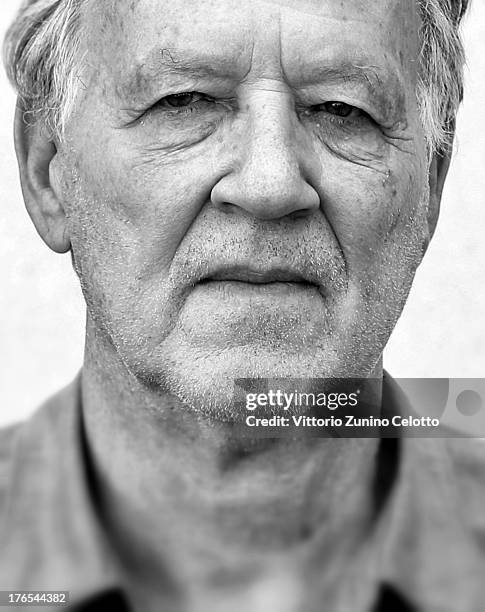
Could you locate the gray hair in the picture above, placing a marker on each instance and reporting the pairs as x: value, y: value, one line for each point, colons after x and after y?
x: 42, y: 54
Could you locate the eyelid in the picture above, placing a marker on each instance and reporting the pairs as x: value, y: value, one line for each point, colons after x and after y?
x: 318, y: 108
x: 228, y: 102
x: 147, y: 104
x: 314, y: 97
x: 197, y: 96
x: 140, y: 113
x: 138, y: 116
x: 351, y: 108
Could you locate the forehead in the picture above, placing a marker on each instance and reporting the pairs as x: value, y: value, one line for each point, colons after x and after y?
x: 225, y: 34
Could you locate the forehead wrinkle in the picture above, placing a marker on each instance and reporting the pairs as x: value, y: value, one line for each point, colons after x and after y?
x: 164, y: 61
x: 340, y: 44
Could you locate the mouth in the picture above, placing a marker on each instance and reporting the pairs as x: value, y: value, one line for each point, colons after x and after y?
x: 243, y: 274
x: 243, y: 282
x: 243, y: 300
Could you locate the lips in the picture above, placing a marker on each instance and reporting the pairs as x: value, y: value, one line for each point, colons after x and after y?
x: 258, y: 277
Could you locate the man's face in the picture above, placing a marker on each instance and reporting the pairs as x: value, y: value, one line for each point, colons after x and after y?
x: 246, y: 186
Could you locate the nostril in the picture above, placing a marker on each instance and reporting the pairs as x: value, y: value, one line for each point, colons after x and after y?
x: 299, y: 214
x: 229, y: 208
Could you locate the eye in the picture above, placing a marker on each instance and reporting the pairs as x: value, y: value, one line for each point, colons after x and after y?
x: 180, y: 100
x: 339, y: 109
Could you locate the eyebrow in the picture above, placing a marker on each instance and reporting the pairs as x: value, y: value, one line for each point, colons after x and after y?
x: 160, y: 63
x: 384, y: 85
x: 369, y: 75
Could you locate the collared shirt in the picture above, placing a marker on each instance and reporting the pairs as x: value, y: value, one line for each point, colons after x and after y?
x: 428, y: 543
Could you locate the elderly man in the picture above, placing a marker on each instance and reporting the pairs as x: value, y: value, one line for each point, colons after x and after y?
x: 247, y: 189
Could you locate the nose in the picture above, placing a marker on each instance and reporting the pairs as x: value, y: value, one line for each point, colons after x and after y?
x: 272, y: 172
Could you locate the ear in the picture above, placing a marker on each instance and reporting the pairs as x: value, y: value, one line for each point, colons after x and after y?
x: 437, y: 176
x: 35, y: 154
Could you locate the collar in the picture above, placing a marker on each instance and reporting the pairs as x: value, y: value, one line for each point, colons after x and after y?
x: 51, y: 537
x: 429, y: 546
x: 431, y: 529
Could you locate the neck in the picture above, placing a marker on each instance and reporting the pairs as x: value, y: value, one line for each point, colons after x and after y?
x: 174, y: 486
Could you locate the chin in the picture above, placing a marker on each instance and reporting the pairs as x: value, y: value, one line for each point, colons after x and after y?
x: 205, y: 382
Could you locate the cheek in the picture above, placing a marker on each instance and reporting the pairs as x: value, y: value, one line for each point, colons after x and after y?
x: 135, y: 209
x: 379, y: 219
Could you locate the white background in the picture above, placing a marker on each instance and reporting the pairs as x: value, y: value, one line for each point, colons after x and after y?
x: 441, y: 333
